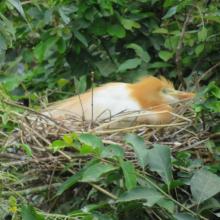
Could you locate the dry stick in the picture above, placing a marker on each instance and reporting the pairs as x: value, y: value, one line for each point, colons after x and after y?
x: 206, y: 73
x: 35, y: 112
x: 60, y: 216
x: 138, y: 127
x: 104, y: 191
x: 126, y: 116
x: 92, y: 99
x: 142, y: 113
x: 193, y: 145
x: 83, y: 112
x: 69, y: 158
x: 31, y: 190
x: 179, y: 49
x: 96, y: 130
x: 47, y: 141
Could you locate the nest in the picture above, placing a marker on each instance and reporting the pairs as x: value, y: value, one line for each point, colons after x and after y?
x: 38, y: 131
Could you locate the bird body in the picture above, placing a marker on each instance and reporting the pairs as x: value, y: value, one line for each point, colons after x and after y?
x: 150, y: 94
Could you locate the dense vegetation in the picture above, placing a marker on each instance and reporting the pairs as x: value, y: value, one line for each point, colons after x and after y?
x: 49, y: 50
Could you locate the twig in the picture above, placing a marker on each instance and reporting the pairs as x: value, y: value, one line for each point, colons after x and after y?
x: 206, y: 73
x: 34, y: 112
x: 194, y: 145
x: 11, y: 156
x: 83, y: 113
x: 179, y: 49
x: 138, y: 127
x: 92, y: 99
x: 104, y: 191
x: 31, y: 190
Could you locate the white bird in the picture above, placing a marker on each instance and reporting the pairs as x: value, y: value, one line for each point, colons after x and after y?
x: 150, y: 93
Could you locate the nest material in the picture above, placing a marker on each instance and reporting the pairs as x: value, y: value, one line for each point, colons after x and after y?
x: 40, y: 131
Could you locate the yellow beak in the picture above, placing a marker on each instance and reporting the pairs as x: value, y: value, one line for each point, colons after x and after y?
x: 183, y: 95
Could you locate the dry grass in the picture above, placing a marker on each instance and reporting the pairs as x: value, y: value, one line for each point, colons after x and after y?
x: 45, y: 167
x: 38, y: 131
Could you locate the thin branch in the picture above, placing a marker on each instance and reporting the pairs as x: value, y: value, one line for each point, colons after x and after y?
x: 206, y: 73
x: 103, y: 191
x: 34, y: 112
x: 83, y: 112
x: 92, y: 100
x: 179, y: 49
x: 31, y: 190
x: 138, y: 127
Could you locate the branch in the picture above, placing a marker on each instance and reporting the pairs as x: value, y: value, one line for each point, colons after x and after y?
x: 206, y: 73
x: 179, y: 49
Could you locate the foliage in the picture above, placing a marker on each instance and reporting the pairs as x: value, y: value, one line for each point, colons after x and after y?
x: 49, y: 49
x: 210, y: 99
x: 54, y: 45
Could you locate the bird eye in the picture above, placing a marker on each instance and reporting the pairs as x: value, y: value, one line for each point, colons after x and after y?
x: 166, y: 90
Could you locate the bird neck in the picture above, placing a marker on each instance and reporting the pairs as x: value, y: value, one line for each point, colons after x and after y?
x: 145, y: 94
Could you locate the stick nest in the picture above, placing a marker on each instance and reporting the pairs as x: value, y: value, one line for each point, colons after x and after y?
x: 37, y: 131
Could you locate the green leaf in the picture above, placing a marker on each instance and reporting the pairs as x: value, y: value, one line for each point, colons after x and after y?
x: 149, y: 195
x: 3, y: 43
x: 112, y: 151
x: 172, y: 11
x: 91, y: 140
x: 129, y: 174
x: 214, y: 89
x: 79, y: 36
x: 27, y: 149
x: 160, y: 161
x: 139, y: 147
x: 213, y: 106
x: 63, y: 11
x: 29, y: 213
x: 129, y: 64
x: 158, y: 65
x: 202, y: 34
x: 99, y: 27
x: 171, y: 42
x: 43, y: 49
x: 62, y: 82
x: 167, y: 204
x: 12, y: 82
x: 80, y: 84
x: 184, y: 216
x: 94, y: 172
x: 204, y: 185
x: 106, y: 67
x: 58, y: 145
x: 116, y: 31
x: 139, y: 52
x: 68, y: 138
x: 160, y: 31
x: 199, y: 49
x: 18, y: 6
x: 129, y: 24
x: 165, y: 55
x: 210, y: 204
x: 70, y: 182
x: 61, y: 45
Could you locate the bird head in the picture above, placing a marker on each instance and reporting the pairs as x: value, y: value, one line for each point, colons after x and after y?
x: 152, y: 91
x: 170, y: 95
